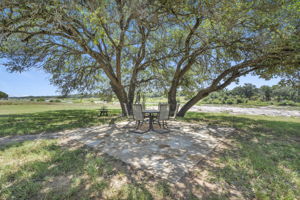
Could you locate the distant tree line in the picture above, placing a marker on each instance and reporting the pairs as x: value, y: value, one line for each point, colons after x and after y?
x: 250, y: 94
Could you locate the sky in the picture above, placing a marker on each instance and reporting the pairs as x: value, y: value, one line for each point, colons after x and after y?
x: 37, y: 83
x: 30, y: 83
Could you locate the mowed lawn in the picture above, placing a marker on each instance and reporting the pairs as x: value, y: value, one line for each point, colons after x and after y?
x: 21, y: 107
x: 260, y: 161
x: 34, y: 118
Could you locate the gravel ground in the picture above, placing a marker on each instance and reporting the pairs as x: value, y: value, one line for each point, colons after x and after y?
x: 269, y: 111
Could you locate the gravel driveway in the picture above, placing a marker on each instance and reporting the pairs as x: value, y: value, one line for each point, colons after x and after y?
x: 269, y: 111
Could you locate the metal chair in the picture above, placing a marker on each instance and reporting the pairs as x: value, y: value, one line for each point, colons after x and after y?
x: 163, y: 115
x: 161, y: 104
x: 138, y: 115
x: 143, y: 109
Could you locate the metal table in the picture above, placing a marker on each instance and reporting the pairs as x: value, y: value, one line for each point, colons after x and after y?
x: 152, y: 114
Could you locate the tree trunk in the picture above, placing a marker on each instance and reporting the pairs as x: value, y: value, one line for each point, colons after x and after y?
x: 172, y: 99
x: 176, y: 82
x: 122, y: 97
x: 202, y: 94
x: 173, y: 92
x: 131, y: 91
x: 138, y: 97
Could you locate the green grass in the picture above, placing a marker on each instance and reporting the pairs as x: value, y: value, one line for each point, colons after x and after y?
x: 46, y: 170
x: 261, y: 162
x: 21, y: 107
x: 51, y: 121
x: 264, y: 160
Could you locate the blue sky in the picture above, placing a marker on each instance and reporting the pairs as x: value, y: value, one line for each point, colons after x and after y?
x: 36, y: 83
x: 29, y: 83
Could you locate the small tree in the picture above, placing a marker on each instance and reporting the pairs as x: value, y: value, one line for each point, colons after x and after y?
x: 3, y: 95
x: 266, y: 92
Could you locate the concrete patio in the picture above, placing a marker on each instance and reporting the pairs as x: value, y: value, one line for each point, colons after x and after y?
x: 166, y: 155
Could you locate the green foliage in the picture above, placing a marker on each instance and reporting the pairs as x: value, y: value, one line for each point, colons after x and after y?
x: 55, y: 100
x: 267, y: 92
x: 239, y: 100
x: 159, y: 46
x: 3, y: 95
x: 40, y: 99
x: 229, y: 101
x: 287, y: 103
x: 246, y: 91
x: 249, y: 94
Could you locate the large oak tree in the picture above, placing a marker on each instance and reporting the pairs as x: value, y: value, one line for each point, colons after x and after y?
x: 221, y: 41
x: 83, y: 44
x: 193, y: 46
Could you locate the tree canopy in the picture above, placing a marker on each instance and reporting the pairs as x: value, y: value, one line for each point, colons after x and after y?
x: 3, y: 95
x: 165, y: 46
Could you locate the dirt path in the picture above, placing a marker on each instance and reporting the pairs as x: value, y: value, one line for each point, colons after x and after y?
x: 269, y: 111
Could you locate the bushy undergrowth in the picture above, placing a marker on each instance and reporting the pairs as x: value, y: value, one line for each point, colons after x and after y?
x: 250, y: 95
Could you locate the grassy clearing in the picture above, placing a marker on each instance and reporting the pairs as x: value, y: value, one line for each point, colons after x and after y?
x: 263, y: 161
x: 51, y: 121
x: 22, y: 107
x: 46, y: 170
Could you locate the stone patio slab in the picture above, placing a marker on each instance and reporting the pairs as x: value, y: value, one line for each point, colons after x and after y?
x: 165, y: 155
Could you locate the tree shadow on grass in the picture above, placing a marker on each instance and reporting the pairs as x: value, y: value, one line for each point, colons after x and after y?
x: 262, y: 162
x: 50, y: 171
x: 271, y: 127
x: 51, y: 121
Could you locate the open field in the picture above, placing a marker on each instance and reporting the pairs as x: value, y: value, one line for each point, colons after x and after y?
x: 21, y: 107
x: 260, y: 161
x: 22, y: 118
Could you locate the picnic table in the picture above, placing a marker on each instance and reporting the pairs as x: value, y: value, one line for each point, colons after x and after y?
x: 103, y: 112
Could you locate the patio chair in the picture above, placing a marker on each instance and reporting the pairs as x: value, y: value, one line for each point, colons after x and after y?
x: 138, y: 115
x: 163, y: 115
x: 161, y: 104
x: 175, y: 112
x: 155, y: 120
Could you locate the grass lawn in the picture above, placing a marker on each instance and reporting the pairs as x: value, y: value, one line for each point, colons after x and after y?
x: 49, y: 118
x: 261, y: 161
x: 22, y: 107
x: 46, y: 170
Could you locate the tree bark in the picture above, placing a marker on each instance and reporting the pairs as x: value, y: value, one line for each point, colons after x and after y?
x: 120, y: 92
x: 176, y: 82
x: 172, y: 99
x: 202, y: 94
